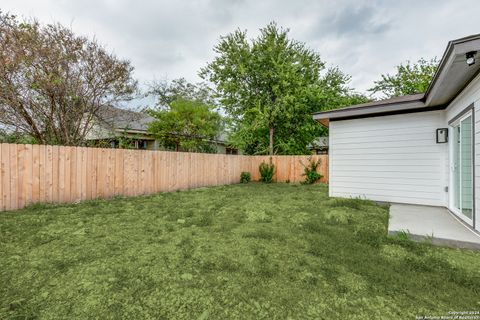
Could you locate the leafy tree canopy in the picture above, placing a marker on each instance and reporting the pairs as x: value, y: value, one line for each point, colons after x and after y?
x: 410, y: 78
x: 15, y: 137
x: 166, y: 92
x: 186, y: 125
x: 269, y: 87
x: 53, y: 83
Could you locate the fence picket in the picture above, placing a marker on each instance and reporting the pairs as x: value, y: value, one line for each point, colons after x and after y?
x: 38, y: 173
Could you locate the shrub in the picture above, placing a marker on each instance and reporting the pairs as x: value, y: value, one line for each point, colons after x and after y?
x: 267, y: 170
x: 403, y: 235
x: 310, y: 172
x: 245, y: 177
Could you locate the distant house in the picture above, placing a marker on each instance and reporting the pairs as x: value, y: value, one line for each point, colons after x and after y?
x: 319, y: 146
x: 115, y: 125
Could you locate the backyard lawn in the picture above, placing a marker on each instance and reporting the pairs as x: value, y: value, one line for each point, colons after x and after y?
x: 250, y: 251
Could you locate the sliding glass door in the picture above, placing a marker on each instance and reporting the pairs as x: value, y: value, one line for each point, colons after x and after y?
x: 463, y: 168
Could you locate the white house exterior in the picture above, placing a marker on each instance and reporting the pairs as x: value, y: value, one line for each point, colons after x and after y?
x: 389, y: 158
x: 391, y: 151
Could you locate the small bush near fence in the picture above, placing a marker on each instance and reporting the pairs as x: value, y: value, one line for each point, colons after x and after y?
x: 245, y: 177
x: 267, y: 170
x: 310, y: 172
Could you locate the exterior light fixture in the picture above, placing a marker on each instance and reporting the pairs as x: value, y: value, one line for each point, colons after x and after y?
x: 470, y: 57
x: 442, y: 135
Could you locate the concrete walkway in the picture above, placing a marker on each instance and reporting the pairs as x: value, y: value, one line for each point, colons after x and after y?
x: 435, y: 223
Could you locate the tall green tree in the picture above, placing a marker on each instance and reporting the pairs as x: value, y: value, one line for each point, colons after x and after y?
x: 333, y: 92
x: 269, y: 87
x: 186, y: 125
x: 410, y: 78
x: 166, y: 92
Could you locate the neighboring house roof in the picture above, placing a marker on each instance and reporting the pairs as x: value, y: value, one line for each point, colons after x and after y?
x: 123, y: 119
x: 453, y: 74
x: 118, y: 119
x: 320, y: 142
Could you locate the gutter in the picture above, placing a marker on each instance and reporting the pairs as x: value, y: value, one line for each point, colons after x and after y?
x: 423, y: 103
x: 441, y: 66
x: 380, y: 105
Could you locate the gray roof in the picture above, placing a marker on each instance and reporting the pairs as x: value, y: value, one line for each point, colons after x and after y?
x: 452, y: 75
x: 408, y: 103
x: 394, y: 100
x: 124, y: 119
x: 320, y: 142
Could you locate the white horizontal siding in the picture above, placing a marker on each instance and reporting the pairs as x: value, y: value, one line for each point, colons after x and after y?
x: 407, y: 187
x: 389, y: 158
x: 394, y: 181
x: 392, y: 162
x: 359, y: 173
x: 395, y: 198
x: 419, y: 150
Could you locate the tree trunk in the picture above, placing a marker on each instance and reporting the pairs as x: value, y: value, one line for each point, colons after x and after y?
x: 177, y: 148
x: 270, y: 146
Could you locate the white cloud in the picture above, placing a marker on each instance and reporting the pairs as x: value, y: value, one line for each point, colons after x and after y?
x: 170, y: 39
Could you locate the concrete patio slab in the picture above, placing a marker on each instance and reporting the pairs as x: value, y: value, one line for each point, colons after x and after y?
x: 437, y: 224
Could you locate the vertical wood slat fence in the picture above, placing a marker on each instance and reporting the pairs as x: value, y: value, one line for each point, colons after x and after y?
x: 39, y: 173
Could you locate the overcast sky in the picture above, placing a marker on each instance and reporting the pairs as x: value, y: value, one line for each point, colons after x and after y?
x: 171, y: 39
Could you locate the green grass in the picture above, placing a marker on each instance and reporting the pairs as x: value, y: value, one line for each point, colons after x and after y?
x: 247, y: 251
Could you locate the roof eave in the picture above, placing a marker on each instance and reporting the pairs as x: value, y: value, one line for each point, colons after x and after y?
x: 388, y: 108
x: 438, y: 95
x: 441, y: 66
x: 447, y: 66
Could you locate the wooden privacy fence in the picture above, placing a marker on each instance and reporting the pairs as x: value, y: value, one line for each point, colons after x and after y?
x: 39, y: 173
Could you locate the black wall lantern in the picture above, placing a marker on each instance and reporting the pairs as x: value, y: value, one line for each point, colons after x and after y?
x: 442, y: 135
